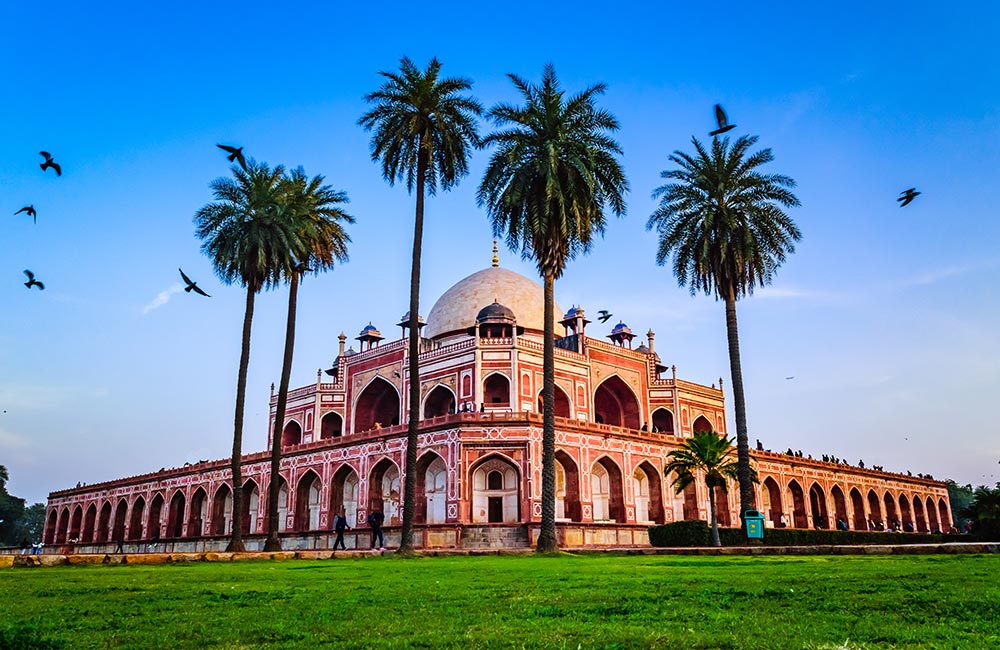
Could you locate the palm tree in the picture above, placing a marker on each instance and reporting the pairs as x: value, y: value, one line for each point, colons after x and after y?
x: 722, y: 221
x: 984, y: 511
x: 243, y: 236
x: 546, y: 190
x: 312, y: 210
x: 712, y: 455
x: 424, y: 130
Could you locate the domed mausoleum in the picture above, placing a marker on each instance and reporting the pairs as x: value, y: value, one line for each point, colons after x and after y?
x: 619, y: 412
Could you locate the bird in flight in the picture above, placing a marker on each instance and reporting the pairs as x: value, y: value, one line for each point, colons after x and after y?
x: 792, y: 377
x: 50, y: 163
x: 234, y: 154
x: 604, y: 316
x: 32, y: 282
x: 192, y: 286
x: 30, y: 209
x: 907, y: 196
x: 722, y: 121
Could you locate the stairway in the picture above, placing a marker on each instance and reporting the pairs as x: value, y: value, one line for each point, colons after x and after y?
x: 474, y: 537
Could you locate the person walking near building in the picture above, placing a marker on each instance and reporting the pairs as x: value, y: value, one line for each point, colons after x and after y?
x: 339, y: 526
x: 24, y: 546
x: 120, y: 547
x: 375, y: 520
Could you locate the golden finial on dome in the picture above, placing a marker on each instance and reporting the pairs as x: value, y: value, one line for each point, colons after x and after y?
x: 496, y: 260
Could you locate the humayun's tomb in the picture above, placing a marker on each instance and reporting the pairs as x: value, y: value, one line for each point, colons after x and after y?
x: 619, y: 413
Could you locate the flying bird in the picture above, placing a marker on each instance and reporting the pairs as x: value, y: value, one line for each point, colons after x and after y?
x: 792, y: 377
x: 907, y: 196
x: 234, y: 154
x: 50, y: 163
x: 192, y: 286
x: 32, y: 282
x: 722, y: 121
x: 604, y: 316
x: 30, y: 209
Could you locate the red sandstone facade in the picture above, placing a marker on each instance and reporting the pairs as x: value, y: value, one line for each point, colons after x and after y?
x: 479, y: 456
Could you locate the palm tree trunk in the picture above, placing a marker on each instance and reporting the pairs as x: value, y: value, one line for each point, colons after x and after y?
x: 413, y: 422
x: 711, y: 508
x: 273, y: 542
x: 740, y: 406
x: 236, y: 538
x: 547, y: 542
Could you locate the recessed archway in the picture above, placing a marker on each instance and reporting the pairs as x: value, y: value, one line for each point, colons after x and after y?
x: 103, y: 523
x: 89, y: 522
x: 196, y: 517
x: 135, y: 522
x: 567, y: 488
x: 383, y: 491
x: 118, y: 532
x: 946, y: 522
x: 799, y: 519
x: 432, y: 490
x: 607, y: 492
x: 817, y: 504
x: 700, y: 424
x: 722, y: 512
x: 377, y: 406
x: 222, y: 510
x: 50, y: 527
x: 691, y: 510
x: 891, y: 515
x: 904, y: 511
x: 648, y: 494
x: 76, y: 523
x: 496, y: 391
x: 440, y: 401
x: 63, y: 526
x: 307, y: 502
x: 562, y: 407
x: 875, y: 511
x: 344, y: 495
x: 250, y: 506
x: 932, y: 515
x: 496, y: 491
x: 772, y: 501
x: 858, y: 503
x: 918, y: 514
x: 153, y: 528
x: 331, y: 426
x: 616, y: 404
x: 291, y: 434
x: 663, y: 421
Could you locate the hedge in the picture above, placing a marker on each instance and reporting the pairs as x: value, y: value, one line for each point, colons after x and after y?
x: 698, y: 533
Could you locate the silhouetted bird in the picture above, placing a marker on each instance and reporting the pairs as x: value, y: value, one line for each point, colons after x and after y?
x: 792, y: 377
x: 50, y: 163
x: 906, y: 197
x: 30, y: 209
x: 395, y: 373
x: 32, y: 282
x: 192, y: 286
x: 722, y: 121
x: 604, y: 316
x: 234, y: 154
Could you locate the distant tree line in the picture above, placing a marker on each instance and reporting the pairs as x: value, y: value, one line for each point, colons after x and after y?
x: 18, y: 522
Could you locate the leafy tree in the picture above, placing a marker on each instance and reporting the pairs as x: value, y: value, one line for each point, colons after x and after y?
x: 247, y: 241
x: 984, y: 511
x: 960, y: 497
x: 546, y: 189
x: 712, y: 456
x: 721, y: 219
x: 314, y: 213
x: 424, y: 129
x: 17, y: 522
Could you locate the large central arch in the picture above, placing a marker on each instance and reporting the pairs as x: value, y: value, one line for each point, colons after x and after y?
x: 616, y: 404
x: 378, y: 404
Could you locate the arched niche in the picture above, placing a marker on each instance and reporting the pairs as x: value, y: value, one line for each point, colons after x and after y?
x: 331, y: 426
x: 616, y: 404
x: 875, y: 511
x: 773, y: 507
x: 377, y: 406
x: 135, y: 522
x: 817, y: 503
x: 196, y: 515
x: 799, y: 519
x: 648, y: 491
x: 292, y: 434
x: 76, y: 523
x: 63, y: 531
x: 222, y: 510
x: 722, y: 513
x: 496, y: 492
x: 307, y: 502
x: 663, y: 421
x: 432, y: 490
x: 344, y: 494
x: 383, y: 491
x: 701, y: 423
x: 562, y: 407
x: 567, y: 488
x: 440, y: 401
x: 118, y: 531
x: 89, y: 524
x: 496, y: 390
x: 103, y: 523
x: 50, y: 526
x: 607, y: 495
x: 250, y: 507
x: 153, y: 528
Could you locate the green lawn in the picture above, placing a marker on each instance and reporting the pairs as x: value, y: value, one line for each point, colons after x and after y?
x: 593, y: 601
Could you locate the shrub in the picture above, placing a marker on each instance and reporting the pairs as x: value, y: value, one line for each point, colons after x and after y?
x: 692, y: 532
x: 697, y: 533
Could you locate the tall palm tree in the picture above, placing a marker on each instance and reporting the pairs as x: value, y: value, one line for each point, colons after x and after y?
x: 244, y: 237
x: 313, y: 211
x: 424, y: 131
x: 546, y: 189
x: 712, y: 455
x: 722, y: 220
x: 984, y: 511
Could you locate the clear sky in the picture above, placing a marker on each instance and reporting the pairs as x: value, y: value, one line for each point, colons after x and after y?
x: 885, y: 317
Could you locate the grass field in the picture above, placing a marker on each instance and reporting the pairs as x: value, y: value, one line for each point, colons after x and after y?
x: 593, y: 601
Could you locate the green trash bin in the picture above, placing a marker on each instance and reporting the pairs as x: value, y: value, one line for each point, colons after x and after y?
x: 754, y: 522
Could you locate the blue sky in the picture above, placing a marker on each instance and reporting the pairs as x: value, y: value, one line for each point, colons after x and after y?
x: 885, y: 317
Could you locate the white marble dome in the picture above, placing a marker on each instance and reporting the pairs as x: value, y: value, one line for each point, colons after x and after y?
x: 457, y: 307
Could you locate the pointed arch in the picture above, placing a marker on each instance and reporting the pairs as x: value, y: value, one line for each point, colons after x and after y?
x: 250, y: 506
x: 691, y: 510
x: 663, y: 420
x: 701, y: 423
x: 378, y: 403
x: 496, y: 490
x: 76, y: 522
x: 607, y: 491
x: 89, y: 523
x: 344, y: 494
x: 63, y: 526
x: 817, y: 504
x: 439, y: 401
x: 771, y: 498
x: 118, y: 532
x: 905, y: 514
x: 496, y: 390
x: 153, y: 527
x: 562, y: 406
x: 858, y: 503
x: 648, y: 491
x: 918, y: 514
x: 946, y: 522
x: 196, y: 513
x: 615, y: 403
x: 799, y: 519
x: 103, y: 523
x: 222, y: 510
x: 331, y: 426
x: 135, y: 521
x: 723, y: 514
x: 875, y: 511
x: 432, y: 489
x: 891, y: 514
x: 291, y: 433
x: 307, y: 501
x: 567, y: 488
x: 932, y: 516
x: 384, y: 491
x: 50, y: 526
x: 283, y: 498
